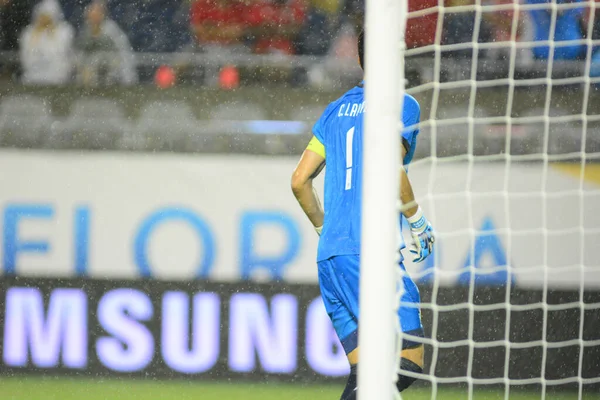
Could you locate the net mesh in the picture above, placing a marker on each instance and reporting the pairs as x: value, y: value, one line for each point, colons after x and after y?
x: 507, y: 169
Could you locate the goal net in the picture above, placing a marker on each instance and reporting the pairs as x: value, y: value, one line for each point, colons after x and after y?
x: 507, y: 169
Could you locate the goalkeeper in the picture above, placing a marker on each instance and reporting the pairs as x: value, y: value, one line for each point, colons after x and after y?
x: 338, y: 138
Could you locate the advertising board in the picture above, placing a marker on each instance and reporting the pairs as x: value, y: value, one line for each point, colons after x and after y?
x: 167, y: 329
x: 204, y: 330
x: 232, y: 218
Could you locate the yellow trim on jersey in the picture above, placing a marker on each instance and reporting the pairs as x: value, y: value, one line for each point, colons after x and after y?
x: 316, y: 147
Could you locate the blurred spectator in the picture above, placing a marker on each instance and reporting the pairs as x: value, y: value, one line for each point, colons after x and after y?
x: 46, y: 46
x: 494, y: 27
x: 596, y: 28
x: 217, y: 29
x: 329, y: 7
x: 500, y: 26
x: 587, y: 24
x: 14, y: 17
x: 218, y: 25
x: 319, y: 27
x: 460, y: 27
x: 106, y: 55
x: 421, y: 31
x: 353, y: 11
x: 567, y: 29
x: 275, y: 24
x: 595, y: 62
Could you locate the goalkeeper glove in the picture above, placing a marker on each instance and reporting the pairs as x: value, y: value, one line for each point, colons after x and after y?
x: 319, y: 229
x: 423, y: 237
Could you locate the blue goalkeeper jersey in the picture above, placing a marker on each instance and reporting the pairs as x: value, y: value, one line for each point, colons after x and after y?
x: 340, y: 130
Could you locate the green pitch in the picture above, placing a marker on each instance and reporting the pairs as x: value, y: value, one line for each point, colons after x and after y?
x: 111, y: 389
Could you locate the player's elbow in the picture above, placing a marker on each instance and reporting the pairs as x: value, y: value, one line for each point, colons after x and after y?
x: 299, y: 183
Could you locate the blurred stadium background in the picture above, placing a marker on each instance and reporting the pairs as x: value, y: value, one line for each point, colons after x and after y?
x: 151, y: 248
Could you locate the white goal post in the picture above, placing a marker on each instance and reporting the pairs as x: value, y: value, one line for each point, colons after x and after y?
x: 385, y: 23
x: 508, y: 171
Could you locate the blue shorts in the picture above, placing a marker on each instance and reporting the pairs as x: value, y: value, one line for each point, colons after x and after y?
x: 338, y: 279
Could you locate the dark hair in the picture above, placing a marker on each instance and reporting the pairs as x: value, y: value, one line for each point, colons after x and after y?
x: 361, y: 48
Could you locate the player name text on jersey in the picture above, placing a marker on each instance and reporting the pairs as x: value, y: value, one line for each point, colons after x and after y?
x: 351, y: 109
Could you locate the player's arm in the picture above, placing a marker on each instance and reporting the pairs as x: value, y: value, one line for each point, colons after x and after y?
x: 407, y: 196
x: 420, y: 228
x: 310, y: 165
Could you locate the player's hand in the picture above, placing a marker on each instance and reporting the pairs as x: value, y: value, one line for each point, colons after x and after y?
x: 423, y: 236
x: 318, y: 229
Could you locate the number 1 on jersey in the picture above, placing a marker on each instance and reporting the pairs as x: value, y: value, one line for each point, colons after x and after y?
x: 349, y: 140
